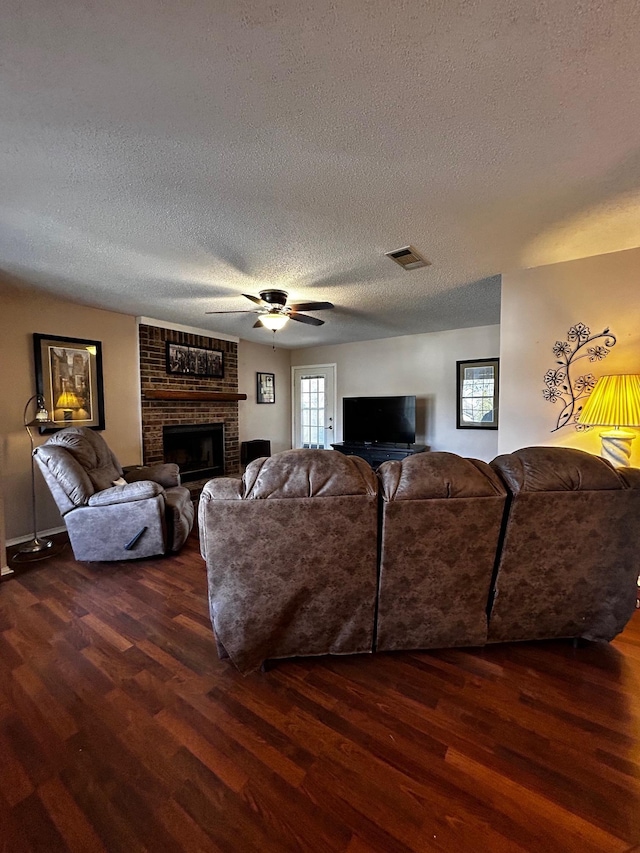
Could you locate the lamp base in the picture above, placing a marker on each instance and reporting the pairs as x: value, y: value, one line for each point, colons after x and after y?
x: 616, y: 447
x: 35, y: 546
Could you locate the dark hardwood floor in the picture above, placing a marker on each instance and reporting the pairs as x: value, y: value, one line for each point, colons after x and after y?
x: 120, y: 730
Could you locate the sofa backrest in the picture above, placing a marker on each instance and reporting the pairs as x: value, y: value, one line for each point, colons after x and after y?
x: 441, y: 521
x: 76, y: 462
x: 569, y: 559
x: 291, y: 554
x: 308, y: 473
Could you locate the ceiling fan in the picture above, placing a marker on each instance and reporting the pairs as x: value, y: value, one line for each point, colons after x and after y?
x: 273, y: 311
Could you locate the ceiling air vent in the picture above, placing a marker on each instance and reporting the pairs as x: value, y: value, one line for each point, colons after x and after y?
x: 408, y: 258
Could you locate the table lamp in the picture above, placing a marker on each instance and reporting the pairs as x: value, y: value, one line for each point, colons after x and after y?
x: 614, y: 402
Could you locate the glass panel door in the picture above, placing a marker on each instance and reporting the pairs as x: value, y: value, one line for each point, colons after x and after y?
x: 313, y: 416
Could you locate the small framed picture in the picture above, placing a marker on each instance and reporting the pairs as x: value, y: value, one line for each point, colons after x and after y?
x: 266, y: 388
x: 477, y: 382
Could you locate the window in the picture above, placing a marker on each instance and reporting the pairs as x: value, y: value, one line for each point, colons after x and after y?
x: 478, y: 393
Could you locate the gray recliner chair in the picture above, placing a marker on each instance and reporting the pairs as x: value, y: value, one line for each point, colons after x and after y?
x: 110, y: 514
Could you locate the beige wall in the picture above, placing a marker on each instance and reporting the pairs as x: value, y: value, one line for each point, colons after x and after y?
x: 265, y: 420
x: 424, y: 365
x: 538, y: 307
x: 23, y: 312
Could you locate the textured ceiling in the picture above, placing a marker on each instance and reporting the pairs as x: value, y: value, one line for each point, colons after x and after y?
x: 163, y: 158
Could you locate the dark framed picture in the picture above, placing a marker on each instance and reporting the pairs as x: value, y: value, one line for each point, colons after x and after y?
x: 69, y: 377
x: 266, y: 388
x: 184, y: 360
x: 477, y: 393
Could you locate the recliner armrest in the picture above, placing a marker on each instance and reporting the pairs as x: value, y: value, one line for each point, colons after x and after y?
x: 140, y: 491
x: 165, y: 473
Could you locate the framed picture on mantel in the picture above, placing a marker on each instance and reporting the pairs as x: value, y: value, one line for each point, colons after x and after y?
x: 183, y: 360
x: 266, y: 388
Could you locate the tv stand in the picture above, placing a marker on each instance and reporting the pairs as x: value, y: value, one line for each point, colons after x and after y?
x: 376, y: 454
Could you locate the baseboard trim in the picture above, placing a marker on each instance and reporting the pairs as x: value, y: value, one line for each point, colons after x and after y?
x: 20, y: 539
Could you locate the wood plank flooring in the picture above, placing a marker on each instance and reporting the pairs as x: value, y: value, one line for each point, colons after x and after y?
x: 120, y: 730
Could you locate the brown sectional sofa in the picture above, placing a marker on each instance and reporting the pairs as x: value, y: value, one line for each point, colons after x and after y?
x: 441, y: 517
x: 570, y: 558
x: 291, y: 553
x: 312, y: 553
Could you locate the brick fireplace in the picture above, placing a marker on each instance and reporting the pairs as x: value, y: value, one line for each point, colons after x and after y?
x: 155, y: 381
x: 197, y: 448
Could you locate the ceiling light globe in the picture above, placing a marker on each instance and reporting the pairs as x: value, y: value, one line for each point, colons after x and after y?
x: 273, y: 321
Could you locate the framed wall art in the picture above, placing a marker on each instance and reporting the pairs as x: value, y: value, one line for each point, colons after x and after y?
x: 186, y: 360
x: 266, y: 388
x: 69, y: 377
x: 477, y: 386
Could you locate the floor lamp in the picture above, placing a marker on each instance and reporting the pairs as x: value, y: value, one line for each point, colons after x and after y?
x: 614, y: 402
x: 41, y: 418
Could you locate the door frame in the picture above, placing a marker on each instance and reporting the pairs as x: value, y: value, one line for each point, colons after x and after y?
x: 331, y: 365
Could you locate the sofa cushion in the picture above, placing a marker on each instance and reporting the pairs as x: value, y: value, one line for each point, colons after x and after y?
x: 126, y: 494
x: 441, y: 522
x: 568, y: 563
x: 291, y: 557
x: 69, y: 482
x: 308, y: 473
x: 91, y: 452
x: 437, y: 475
x: 556, y: 469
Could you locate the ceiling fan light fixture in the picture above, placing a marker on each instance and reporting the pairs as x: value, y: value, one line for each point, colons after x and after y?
x: 274, y: 321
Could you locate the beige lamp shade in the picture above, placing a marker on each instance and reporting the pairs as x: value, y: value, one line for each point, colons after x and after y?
x: 614, y: 402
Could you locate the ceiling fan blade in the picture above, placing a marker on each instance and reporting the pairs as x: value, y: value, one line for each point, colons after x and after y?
x: 255, y: 299
x: 230, y: 312
x: 311, y: 306
x: 310, y: 321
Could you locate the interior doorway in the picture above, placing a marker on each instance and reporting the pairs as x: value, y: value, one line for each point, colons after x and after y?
x: 314, y: 403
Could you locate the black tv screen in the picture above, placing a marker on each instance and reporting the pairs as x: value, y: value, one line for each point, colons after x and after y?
x: 379, y: 420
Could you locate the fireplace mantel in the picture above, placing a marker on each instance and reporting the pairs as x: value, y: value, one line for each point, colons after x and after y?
x: 194, y: 396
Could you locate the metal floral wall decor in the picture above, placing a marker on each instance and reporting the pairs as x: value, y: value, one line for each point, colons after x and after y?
x: 562, y: 385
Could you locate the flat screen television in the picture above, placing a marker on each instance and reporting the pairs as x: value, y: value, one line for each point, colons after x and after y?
x: 379, y: 420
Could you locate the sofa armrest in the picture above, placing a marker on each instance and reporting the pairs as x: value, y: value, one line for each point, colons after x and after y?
x: 223, y: 489
x: 220, y: 489
x: 165, y: 473
x: 125, y: 494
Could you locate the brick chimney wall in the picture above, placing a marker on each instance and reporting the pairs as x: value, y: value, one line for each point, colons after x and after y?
x: 158, y: 413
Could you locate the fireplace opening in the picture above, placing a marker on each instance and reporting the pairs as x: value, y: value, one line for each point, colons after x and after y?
x: 197, y: 448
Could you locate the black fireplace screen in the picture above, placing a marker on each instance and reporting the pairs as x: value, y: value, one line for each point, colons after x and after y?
x: 197, y: 448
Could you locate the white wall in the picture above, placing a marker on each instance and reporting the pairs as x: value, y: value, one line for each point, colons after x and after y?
x: 424, y: 365
x: 538, y: 308
x: 264, y: 420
